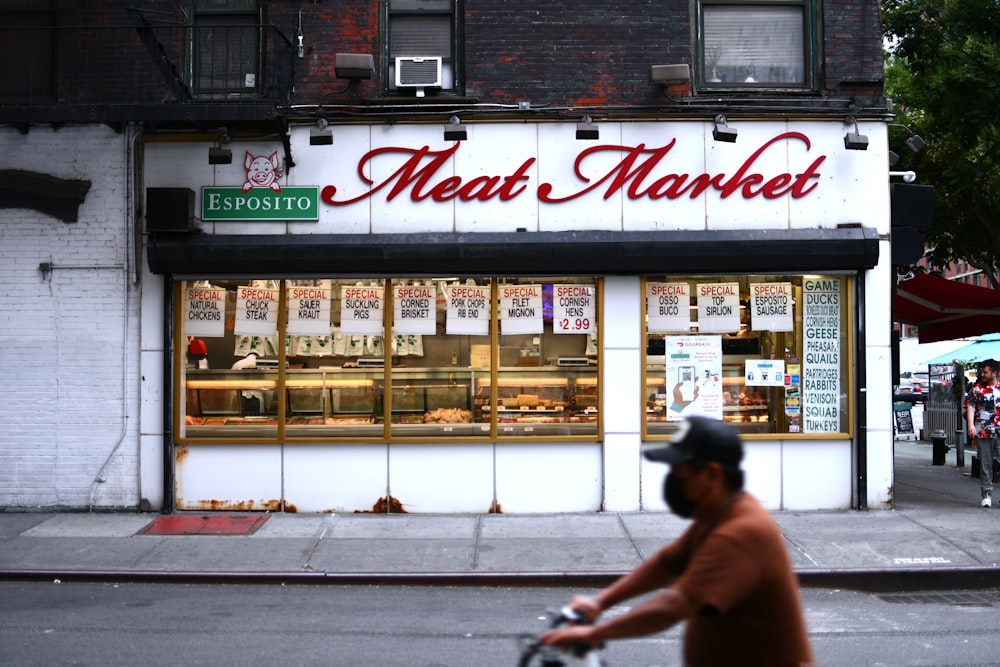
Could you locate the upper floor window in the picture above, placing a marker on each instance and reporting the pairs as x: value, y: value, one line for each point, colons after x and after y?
x: 27, y: 51
x: 226, y: 48
x: 422, y: 46
x: 755, y: 44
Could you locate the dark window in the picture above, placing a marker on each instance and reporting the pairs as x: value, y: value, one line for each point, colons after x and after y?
x: 422, y: 46
x: 227, y: 49
x: 27, y: 51
x: 755, y: 44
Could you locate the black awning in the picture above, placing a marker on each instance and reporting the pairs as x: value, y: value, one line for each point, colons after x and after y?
x: 511, y: 254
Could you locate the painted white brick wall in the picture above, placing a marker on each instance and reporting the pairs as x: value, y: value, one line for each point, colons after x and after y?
x: 68, y: 346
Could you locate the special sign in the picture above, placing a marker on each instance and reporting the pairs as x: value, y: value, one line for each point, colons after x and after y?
x: 574, y: 308
x: 308, y: 311
x: 413, y: 309
x: 771, y: 306
x: 256, y: 311
x: 719, y: 307
x: 521, y: 309
x: 205, y: 312
x: 361, y: 310
x: 468, y: 309
x: 668, y: 307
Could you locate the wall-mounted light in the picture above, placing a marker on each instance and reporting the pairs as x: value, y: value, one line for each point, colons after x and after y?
x: 320, y: 134
x: 855, y: 141
x: 454, y: 130
x: 586, y: 129
x: 668, y: 75
x: 722, y: 132
x: 354, y: 66
x: 914, y: 141
x: 220, y: 153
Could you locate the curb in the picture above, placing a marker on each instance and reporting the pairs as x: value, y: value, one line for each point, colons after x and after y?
x: 867, y: 580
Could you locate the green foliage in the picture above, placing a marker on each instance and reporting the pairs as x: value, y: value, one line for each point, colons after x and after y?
x: 943, y: 75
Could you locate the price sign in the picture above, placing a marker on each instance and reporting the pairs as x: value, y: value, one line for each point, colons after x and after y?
x: 771, y: 305
x: 256, y: 312
x: 719, y: 307
x: 521, y: 309
x: 468, y: 309
x: 361, y: 310
x: 668, y: 307
x: 205, y: 312
x: 413, y: 309
x: 308, y: 311
x: 574, y: 308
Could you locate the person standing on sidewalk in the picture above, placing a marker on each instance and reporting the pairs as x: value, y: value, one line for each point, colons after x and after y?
x: 982, y: 418
x: 728, y: 575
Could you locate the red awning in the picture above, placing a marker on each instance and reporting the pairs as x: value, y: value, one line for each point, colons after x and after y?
x: 946, y: 309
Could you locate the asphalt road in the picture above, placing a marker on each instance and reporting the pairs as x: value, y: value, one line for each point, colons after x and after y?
x: 162, y: 624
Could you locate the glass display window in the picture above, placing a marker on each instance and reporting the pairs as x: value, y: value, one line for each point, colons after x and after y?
x: 399, y: 358
x: 767, y: 353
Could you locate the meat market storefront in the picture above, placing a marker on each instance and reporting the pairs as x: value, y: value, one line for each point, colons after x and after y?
x: 500, y: 324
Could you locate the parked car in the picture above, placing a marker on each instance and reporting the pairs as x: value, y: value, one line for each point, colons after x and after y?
x: 911, y: 390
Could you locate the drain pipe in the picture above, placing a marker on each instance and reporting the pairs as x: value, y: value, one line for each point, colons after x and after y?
x: 861, y: 396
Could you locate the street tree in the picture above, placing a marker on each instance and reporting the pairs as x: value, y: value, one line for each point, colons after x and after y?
x: 943, y: 75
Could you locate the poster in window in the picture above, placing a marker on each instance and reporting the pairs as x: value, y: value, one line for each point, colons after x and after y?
x: 205, y: 312
x: 719, y: 308
x: 574, y: 309
x: 468, y: 309
x: 694, y: 376
x: 361, y: 310
x: 771, y: 306
x: 668, y: 307
x: 414, y: 309
x: 308, y: 310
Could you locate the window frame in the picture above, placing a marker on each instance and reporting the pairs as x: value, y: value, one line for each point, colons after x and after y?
x: 812, y: 61
x: 201, y: 20
x: 540, y: 421
x: 660, y: 431
x: 457, y: 54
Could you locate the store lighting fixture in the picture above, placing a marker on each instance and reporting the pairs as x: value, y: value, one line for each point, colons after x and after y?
x: 353, y: 66
x: 320, y: 134
x: 221, y: 153
x: 722, y: 132
x: 855, y: 141
x: 914, y: 141
x: 586, y: 129
x: 668, y: 75
x: 454, y: 130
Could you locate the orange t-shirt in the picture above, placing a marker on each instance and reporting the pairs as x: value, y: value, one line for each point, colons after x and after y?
x: 739, y: 571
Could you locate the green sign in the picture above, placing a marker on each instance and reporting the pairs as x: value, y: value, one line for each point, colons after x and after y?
x: 232, y: 204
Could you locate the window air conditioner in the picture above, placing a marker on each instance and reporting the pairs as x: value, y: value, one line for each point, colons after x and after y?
x: 419, y: 73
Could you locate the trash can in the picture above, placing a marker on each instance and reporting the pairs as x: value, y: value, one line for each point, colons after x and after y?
x: 940, y: 447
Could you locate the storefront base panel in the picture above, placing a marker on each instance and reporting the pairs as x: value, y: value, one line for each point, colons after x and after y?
x: 540, y: 478
x: 343, y: 478
x: 210, y: 477
x: 797, y: 476
x: 442, y: 478
x: 425, y: 478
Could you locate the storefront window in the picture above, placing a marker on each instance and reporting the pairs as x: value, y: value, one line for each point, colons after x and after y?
x: 769, y: 354
x: 310, y: 358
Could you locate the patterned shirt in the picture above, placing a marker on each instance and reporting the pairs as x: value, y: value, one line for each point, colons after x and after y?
x: 986, y: 402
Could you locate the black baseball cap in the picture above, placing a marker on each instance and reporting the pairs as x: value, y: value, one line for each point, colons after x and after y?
x: 701, y: 439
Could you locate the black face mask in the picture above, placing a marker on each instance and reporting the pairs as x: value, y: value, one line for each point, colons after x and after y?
x: 673, y: 495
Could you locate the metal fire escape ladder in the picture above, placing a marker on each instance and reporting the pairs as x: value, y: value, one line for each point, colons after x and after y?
x: 168, y: 69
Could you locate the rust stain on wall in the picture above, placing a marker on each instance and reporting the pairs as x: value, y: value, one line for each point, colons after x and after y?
x: 388, y: 505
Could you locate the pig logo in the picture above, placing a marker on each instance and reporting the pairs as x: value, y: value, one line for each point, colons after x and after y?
x: 262, y: 172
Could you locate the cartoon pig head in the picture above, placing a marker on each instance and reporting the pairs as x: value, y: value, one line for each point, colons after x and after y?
x: 262, y: 172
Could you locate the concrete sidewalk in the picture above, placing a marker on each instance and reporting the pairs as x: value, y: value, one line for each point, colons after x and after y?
x: 937, y: 537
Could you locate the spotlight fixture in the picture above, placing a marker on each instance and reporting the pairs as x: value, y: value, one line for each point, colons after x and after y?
x: 220, y: 153
x: 914, y: 142
x: 586, y: 129
x: 722, y: 132
x: 353, y: 66
x: 855, y: 141
x: 667, y: 75
x: 320, y: 134
x: 893, y: 158
x: 454, y: 130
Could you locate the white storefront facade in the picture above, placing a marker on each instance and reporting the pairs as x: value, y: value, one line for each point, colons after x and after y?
x: 502, y: 323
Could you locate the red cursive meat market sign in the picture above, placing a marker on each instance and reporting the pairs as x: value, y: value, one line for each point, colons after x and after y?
x: 641, y: 173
